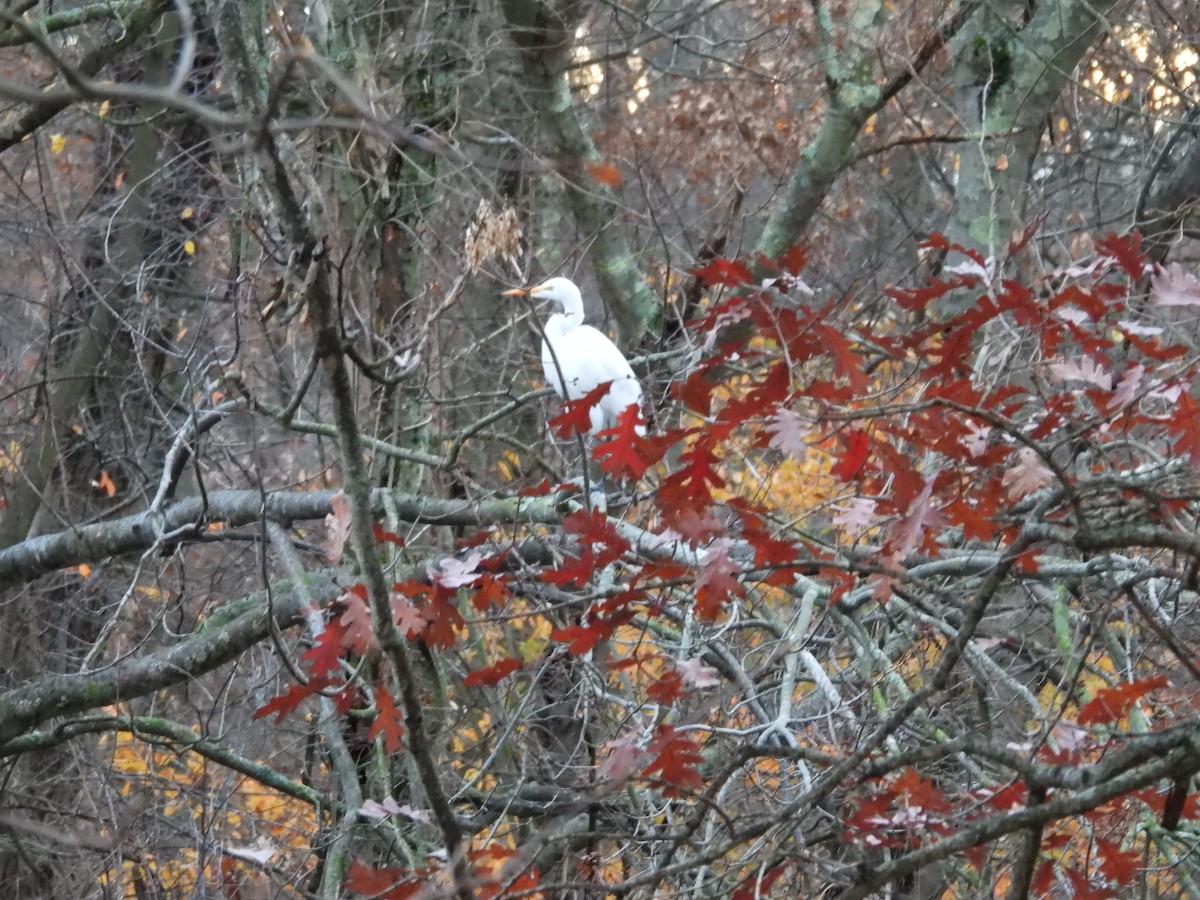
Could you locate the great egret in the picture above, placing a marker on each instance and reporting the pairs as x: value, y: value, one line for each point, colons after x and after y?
x: 577, y: 358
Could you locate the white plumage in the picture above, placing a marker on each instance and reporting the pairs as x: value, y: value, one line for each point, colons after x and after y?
x: 577, y: 358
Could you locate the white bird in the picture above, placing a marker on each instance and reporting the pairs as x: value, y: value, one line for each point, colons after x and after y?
x: 577, y: 358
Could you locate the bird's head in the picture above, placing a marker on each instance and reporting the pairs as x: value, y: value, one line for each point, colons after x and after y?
x: 559, y: 290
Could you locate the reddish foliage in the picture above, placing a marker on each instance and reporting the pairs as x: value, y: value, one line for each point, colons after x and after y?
x: 324, y: 656
x: 932, y: 459
x: 857, y: 447
x: 490, y: 592
x: 732, y: 273
x: 676, y: 760
x: 606, y: 173
x: 541, y: 489
x: 717, y: 581
x: 577, y: 414
x: 1113, y: 704
x: 388, y: 721
x: 758, y: 884
x: 624, y: 452
x: 1082, y: 888
x: 385, y: 882
x: 1117, y: 865
x: 287, y: 702
x: 1126, y: 249
x: 580, y: 639
x: 492, y: 675
x: 667, y: 689
x: 383, y: 536
x: 357, y: 633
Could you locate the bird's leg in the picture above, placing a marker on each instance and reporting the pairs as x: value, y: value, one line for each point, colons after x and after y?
x: 592, y: 490
x: 598, y: 496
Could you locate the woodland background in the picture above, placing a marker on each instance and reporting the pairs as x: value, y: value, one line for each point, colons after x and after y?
x: 297, y: 598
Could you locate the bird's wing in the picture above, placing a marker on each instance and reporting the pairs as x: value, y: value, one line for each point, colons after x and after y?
x: 587, y: 359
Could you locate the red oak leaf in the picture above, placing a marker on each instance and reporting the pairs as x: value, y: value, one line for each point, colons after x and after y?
x: 490, y: 591
x: 606, y: 173
x: 1117, y: 865
x: 356, y: 618
x: 383, y: 536
x: 387, y: 882
x: 1114, y: 703
x: 624, y: 450
x: 793, y: 259
x: 732, y: 273
x: 582, y: 638
x: 676, y: 760
x: 717, y: 580
x: 667, y: 689
x: 622, y: 759
x: 1081, y: 886
x: 408, y: 618
x: 492, y: 675
x: 325, y: 655
x: 452, y: 572
x: 857, y: 447
x: 577, y: 414
x: 388, y: 721
x: 1126, y: 250
x: 906, y: 535
x: 442, y: 619
x: 538, y: 490
x: 287, y: 702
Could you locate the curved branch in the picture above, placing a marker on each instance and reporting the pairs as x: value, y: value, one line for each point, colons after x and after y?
x: 33, y: 703
x: 190, y: 517
x: 180, y: 735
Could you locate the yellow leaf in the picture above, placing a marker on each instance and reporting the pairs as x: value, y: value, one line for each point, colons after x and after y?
x: 58, y: 143
x: 1002, y: 162
x: 187, y: 213
x: 104, y: 108
x: 189, y: 247
x: 85, y: 571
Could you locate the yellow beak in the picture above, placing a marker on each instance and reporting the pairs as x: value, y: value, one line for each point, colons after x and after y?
x: 516, y: 292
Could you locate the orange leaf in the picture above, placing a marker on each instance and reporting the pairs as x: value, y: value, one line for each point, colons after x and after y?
x: 1114, y: 703
x: 106, y: 484
x: 606, y: 173
x: 492, y: 675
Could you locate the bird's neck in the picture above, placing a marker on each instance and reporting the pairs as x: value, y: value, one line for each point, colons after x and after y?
x: 560, y: 323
